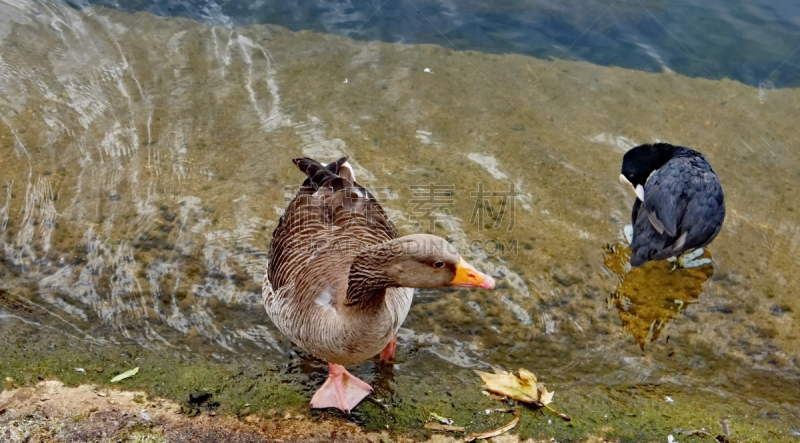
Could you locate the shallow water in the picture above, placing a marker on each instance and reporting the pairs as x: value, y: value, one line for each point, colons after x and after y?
x: 146, y: 160
x: 741, y: 40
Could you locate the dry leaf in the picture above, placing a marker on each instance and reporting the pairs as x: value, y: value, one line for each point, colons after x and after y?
x: 524, y: 388
x: 125, y: 375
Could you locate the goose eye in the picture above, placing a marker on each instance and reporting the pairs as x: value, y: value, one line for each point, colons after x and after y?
x: 438, y: 264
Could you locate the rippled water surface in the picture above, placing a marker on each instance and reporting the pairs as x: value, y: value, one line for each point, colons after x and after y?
x: 145, y: 160
x: 743, y: 40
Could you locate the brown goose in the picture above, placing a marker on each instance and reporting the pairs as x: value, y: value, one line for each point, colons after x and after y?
x: 337, y: 283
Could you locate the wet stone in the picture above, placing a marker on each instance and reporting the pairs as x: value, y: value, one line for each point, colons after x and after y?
x: 198, y: 398
x: 779, y: 310
x: 566, y: 280
x: 722, y: 309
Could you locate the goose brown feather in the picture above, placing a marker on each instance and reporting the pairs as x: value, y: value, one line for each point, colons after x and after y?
x: 337, y: 283
x: 332, y: 219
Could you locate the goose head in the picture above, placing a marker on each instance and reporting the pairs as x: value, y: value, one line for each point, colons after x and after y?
x: 429, y: 261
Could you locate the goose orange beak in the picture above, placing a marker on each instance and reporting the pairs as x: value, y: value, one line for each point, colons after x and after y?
x: 469, y: 277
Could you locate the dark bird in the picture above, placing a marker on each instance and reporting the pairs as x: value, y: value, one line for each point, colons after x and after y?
x: 338, y: 278
x: 679, y: 206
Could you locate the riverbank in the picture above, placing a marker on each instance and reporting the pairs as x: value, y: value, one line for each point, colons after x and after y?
x: 145, y: 163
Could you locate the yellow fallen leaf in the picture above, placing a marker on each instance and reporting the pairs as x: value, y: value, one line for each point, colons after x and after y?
x: 547, y: 397
x: 524, y: 388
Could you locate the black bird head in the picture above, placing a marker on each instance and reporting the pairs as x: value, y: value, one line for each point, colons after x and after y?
x: 643, y: 160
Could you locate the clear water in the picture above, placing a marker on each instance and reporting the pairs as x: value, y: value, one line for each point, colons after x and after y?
x: 144, y: 161
x: 740, y: 40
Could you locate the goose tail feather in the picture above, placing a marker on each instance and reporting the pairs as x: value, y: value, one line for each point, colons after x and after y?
x: 317, y: 173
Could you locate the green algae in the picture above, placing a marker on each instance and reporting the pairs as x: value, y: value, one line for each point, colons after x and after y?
x: 402, y: 402
x: 232, y: 385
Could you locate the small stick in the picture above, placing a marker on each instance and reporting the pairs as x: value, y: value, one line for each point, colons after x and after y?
x: 498, y: 431
x: 446, y: 428
x: 565, y: 417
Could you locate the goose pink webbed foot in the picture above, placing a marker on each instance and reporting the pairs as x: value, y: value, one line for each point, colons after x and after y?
x: 388, y: 352
x: 341, y: 390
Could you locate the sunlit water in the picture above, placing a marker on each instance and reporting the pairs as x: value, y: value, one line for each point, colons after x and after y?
x: 145, y: 161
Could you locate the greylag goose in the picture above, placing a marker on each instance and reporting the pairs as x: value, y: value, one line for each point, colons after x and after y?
x: 339, y: 276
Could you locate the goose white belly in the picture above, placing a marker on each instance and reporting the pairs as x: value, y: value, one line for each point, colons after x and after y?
x: 343, y: 336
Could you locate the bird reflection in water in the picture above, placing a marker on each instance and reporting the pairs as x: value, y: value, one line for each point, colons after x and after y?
x: 647, y: 298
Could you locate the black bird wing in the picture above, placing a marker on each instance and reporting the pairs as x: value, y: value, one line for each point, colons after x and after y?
x: 705, y: 210
x: 664, y: 200
x: 656, y: 220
